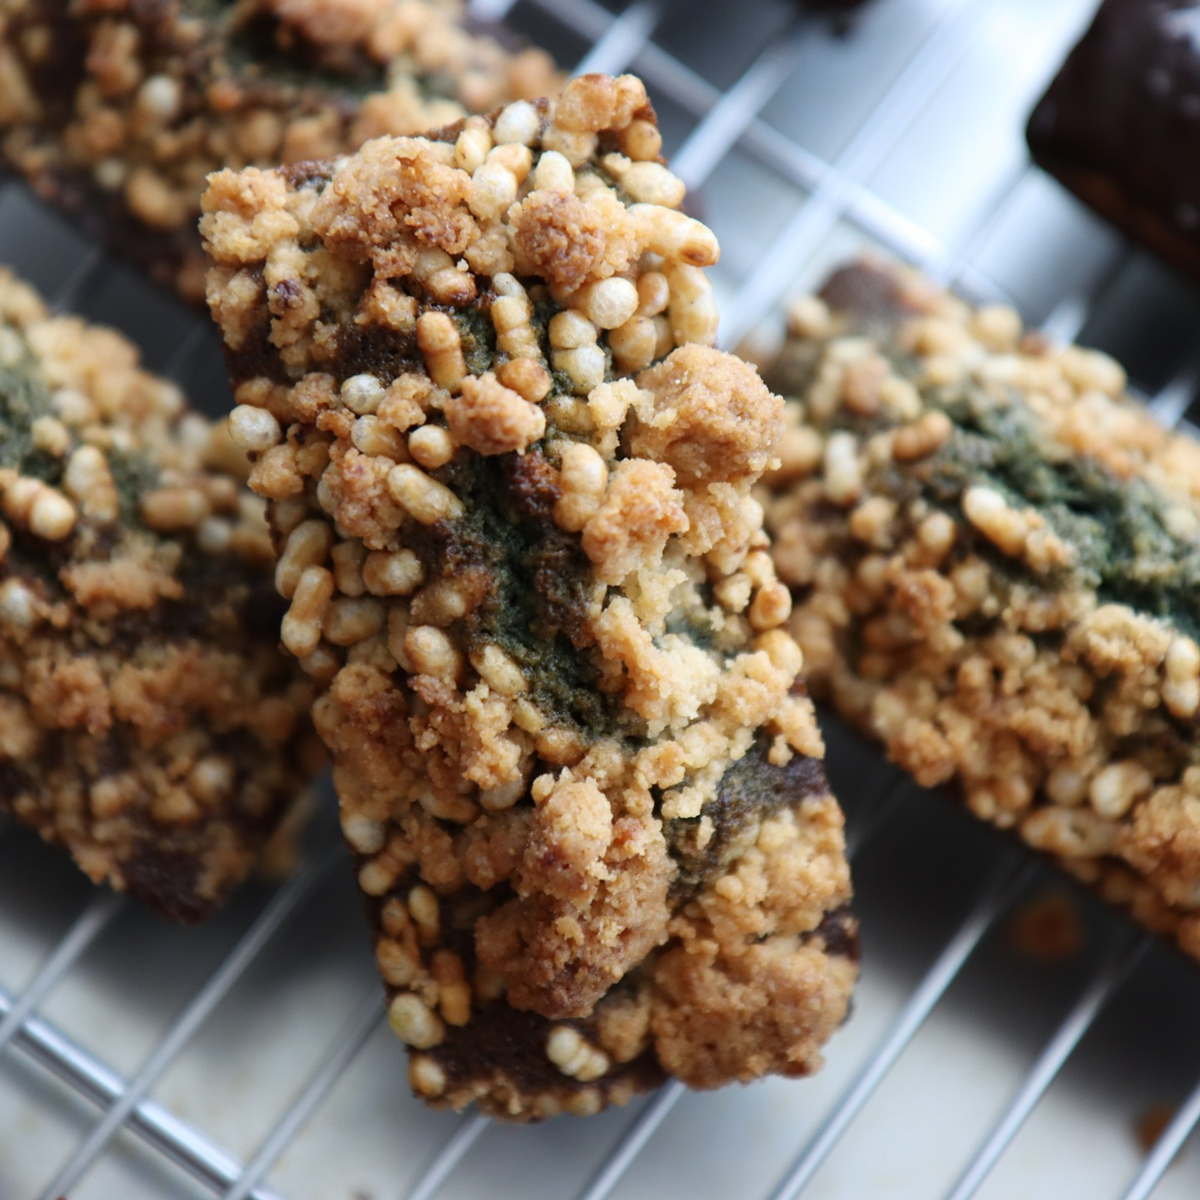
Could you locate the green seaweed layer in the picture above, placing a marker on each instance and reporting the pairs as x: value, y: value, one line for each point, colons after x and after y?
x: 478, y: 334
x: 750, y: 789
x: 1124, y: 548
x: 1117, y: 527
x: 538, y: 590
x: 24, y: 397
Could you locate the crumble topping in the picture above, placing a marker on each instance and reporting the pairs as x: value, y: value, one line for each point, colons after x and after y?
x: 994, y: 554
x: 148, y: 721
x: 509, y: 482
x: 117, y: 110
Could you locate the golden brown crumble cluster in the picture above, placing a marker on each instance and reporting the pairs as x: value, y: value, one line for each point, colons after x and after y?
x: 148, y: 721
x: 510, y: 487
x: 118, y: 109
x: 995, y: 556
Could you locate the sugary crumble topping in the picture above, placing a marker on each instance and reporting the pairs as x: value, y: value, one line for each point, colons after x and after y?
x: 509, y: 482
x: 995, y: 557
x: 118, y: 109
x: 148, y: 721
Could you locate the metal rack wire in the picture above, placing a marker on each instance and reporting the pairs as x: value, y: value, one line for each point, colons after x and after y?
x: 116, y: 1120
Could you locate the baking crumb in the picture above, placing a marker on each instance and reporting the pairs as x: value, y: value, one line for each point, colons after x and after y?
x: 1048, y: 929
x: 994, y: 558
x: 117, y: 111
x: 1152, y: 1124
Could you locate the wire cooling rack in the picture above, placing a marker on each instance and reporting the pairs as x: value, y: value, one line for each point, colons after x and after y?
x: 249, y: 1058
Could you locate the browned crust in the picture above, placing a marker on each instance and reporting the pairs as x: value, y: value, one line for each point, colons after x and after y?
x: 1109, y: 200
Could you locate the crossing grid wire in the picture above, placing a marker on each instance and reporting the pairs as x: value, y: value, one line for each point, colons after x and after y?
x: 250, y: 1058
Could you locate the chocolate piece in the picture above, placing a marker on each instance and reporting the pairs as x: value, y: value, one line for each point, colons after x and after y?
x: 1120, y: 125
x: 514, y: 510
x: 995, y: 557
x: 148, y: 721
x: 116, y: 110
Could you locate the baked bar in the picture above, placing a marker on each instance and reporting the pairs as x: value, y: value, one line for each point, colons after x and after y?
x: 117, y: 110
x: 148, y: 721
x: 1119, y: 125
x: 995, y: 556
x: 580, y: 778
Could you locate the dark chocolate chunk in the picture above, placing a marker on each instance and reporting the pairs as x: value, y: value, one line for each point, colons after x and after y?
x: 1120, y: 125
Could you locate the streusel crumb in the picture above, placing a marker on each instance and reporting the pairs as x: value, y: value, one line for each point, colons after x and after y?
x: 995, y: 559
x: 117, y: 110
x: 509, y: 482
x: 148, y: 721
